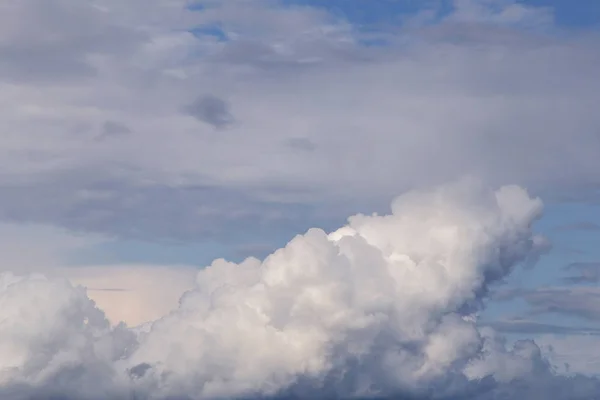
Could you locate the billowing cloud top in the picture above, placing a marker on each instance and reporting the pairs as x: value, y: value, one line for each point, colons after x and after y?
x: 384, y: 306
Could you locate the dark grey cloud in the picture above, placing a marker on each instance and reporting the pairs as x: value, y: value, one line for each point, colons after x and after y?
x: 211, y: 110
x: 106, y: 201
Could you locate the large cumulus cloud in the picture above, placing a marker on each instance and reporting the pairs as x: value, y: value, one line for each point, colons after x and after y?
x: 384, y: 306
x: 54, y: 341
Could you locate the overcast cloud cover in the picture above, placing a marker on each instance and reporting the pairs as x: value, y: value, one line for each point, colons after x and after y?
x: 237, y: 121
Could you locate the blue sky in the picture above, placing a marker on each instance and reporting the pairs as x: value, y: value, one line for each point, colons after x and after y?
x: 568, y: 14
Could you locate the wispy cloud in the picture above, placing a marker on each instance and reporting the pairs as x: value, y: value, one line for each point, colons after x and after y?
x: 530, y: 326
x: 581, y: 301
x: 587, y: 272
x: 579, y: 226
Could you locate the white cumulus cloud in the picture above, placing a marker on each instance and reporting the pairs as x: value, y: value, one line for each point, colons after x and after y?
x: 386, y: 305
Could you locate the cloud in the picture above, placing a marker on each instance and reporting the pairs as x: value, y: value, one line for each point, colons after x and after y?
x: 375, y: 308
x: 302, y: 144
x: 111, y: 202
x: 211, y: 110
x: 586, y: 272
x: 581, y: 301
x: 113, y: 129
x: 54, y: 341
x: 580, y: 226
x: 525, y: 326
x: 386, y: 118
x: 381, y: 307
x: 572, y: 354
x: 58, y: 37
x: 132, y: 293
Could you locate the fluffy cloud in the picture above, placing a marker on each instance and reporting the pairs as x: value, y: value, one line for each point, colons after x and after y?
x: 54, y: 341
x: 386, y: 305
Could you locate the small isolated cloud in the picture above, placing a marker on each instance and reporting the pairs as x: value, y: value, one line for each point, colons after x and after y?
x: 113, y: 129
x: 302, y: 144
x: 211, y: 110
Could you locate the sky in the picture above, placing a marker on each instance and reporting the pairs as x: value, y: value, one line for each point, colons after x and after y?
x: 299, y: 198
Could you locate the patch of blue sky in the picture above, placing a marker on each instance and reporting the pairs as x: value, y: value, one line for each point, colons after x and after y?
x: 569, y: 245
x: 578, y: 14
x: 363, y: 12
x: 141, y: 252
x: 371, y: 13
x: 213, y: 30
x: 560, y: 225
x: 196, y: 5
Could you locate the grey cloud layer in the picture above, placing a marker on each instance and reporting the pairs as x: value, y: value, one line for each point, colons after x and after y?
x: 114, y: 204
x: 309, y: 110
